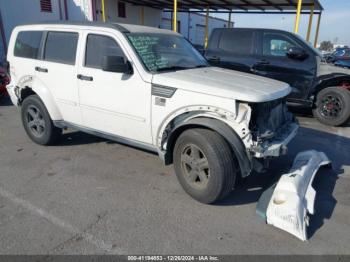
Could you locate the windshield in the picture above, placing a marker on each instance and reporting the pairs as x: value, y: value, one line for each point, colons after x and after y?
x: 166, y: 52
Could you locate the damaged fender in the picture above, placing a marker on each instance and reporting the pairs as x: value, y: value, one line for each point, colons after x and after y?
x: 293, y: 197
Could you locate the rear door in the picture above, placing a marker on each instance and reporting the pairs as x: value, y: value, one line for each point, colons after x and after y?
x: 57, y: 71
x: 274, y: 63
x: 233, y: 49
x: 25, y: 53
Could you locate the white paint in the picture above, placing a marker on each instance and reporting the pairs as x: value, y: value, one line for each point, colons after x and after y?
x: 91, y: 239
x: 115, y: 103
x: 225, y: 83
x: 294, y: 197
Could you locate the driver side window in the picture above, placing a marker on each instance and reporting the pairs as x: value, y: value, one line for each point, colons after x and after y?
x: 276, y: 45
x: 98, y: 46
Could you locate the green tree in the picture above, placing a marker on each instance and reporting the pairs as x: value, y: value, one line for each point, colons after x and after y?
x: 326, y: 46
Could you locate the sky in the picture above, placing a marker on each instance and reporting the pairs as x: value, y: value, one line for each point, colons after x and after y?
x: 334, y: 27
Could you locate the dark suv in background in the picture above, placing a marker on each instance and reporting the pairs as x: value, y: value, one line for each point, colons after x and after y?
x: 286, y: 57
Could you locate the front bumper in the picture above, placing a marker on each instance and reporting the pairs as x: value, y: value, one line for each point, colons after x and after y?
x: 12, y: 93
x: 278, y: 145
x: 293, y: 197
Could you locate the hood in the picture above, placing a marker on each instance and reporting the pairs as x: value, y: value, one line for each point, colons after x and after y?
x: 225, y: 83
x: 327, y: 69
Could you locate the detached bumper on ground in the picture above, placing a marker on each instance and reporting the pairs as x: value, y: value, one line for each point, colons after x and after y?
x: 287, y: 205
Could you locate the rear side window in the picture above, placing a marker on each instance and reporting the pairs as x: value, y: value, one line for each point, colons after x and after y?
x: 237, y: 42
x: 61, y: 47
x: 27, y: 44
x: 97, y: 47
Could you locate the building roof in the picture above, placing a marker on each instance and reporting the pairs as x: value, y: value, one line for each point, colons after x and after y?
x: 261, y: 6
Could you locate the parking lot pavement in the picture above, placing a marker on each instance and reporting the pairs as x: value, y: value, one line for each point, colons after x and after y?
x: 89, y: 195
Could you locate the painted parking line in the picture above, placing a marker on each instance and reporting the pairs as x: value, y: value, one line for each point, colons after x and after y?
x: 91, y: 239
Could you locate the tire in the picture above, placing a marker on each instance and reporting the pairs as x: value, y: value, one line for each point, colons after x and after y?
x: 332, y: 106
x: 196, y: 149
x: 37, y: 122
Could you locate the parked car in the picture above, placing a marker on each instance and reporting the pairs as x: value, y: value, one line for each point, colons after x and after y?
x: 286, y: 57
x: 339, y: 54
x: 149, y: 88
x: 4, y: 80
x: 343, y: 63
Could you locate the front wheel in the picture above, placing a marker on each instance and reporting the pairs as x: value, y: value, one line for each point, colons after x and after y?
x: 332, y: 106
x: 205, y: 165
x: 37, y: 122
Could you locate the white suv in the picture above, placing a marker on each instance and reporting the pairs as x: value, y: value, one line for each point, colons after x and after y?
x: 149, y: 88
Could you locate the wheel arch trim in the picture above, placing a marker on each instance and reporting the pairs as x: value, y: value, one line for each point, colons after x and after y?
x: 218, y: 126
x: 44, y: 94
x: 330, y: 81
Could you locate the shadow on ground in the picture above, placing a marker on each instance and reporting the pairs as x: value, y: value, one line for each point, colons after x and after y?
x: 75, y: 138
x: 250, y: 189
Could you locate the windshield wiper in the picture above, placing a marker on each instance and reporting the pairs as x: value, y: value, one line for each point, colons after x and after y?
x: 199, y: 66
x: 172, y: 68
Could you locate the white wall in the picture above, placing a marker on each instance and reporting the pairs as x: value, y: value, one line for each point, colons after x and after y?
x: 189, y: 21
x: 16, y: 12
x: 152, y: 17
x: 79, y: 10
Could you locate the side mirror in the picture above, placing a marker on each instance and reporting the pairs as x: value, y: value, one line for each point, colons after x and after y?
x: 116, y: 64
x: 295, y: 52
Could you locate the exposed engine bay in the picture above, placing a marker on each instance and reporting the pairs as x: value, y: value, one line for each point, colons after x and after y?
x: 268, y: 119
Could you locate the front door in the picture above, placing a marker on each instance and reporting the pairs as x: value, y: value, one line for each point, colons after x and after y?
x: 274, y: 63
x: 113, y: 103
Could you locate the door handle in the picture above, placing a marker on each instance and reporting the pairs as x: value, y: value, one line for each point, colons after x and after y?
x: 40, y: 69
x: 262, y: 62
x: 214, y: 59
x: 85, y: 78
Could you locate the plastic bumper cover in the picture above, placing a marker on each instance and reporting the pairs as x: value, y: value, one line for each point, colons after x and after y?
x: 293, y: 197
x: 11, y: 90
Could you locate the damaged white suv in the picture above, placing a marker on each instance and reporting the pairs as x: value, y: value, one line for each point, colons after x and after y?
x: 149, y: 88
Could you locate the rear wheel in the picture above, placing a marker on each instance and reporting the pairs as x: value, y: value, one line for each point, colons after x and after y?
x: 204, y: 165
x: 332, y: 106
x: 37, y: 122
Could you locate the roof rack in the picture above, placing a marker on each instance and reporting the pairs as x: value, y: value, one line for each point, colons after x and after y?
x: 86, y: 23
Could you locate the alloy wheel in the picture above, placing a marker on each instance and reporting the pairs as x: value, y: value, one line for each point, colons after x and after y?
x: 35, y: 121
x: 195, y: 166
x: 331, y: 106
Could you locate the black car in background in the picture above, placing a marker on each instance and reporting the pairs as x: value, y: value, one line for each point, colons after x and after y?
x: 286, y: 57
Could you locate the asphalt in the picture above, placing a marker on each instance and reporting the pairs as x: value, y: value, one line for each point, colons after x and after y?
x: 92, y: 196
